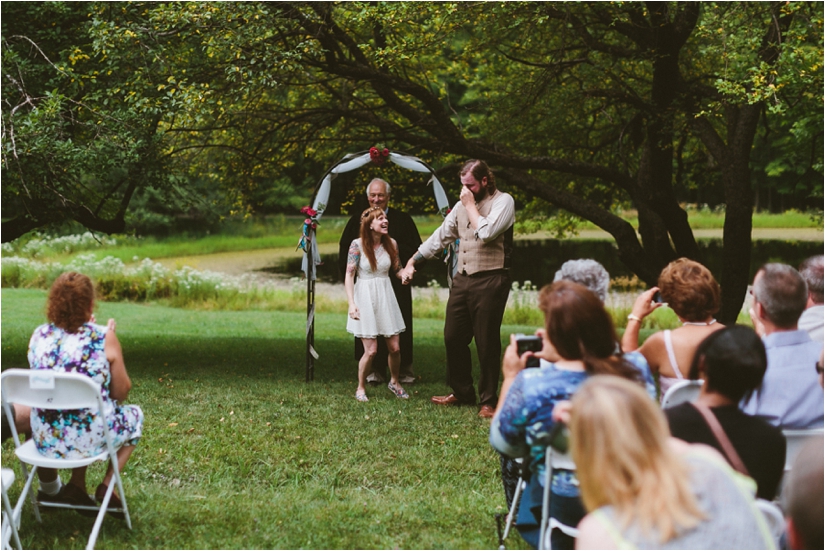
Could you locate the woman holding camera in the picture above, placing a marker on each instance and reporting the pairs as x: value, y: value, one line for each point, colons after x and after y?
x: 578, y: 340
x: 690, y: 290
x: 645, y: 490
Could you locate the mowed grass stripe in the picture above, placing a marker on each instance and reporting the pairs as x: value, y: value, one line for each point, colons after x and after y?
x: 239, y: 452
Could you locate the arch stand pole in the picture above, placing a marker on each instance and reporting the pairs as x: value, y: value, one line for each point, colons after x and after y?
x: 311, y: 355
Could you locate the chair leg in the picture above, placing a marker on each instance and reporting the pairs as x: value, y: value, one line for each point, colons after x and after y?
x: 100, y: 515
x: 545, y: 499
x: 511, y: 514
x: 10, y: 520
x: 26, y: 490
x: 122, y: 495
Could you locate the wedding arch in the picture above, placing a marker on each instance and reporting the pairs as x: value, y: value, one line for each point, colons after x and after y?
x: 312, y: 257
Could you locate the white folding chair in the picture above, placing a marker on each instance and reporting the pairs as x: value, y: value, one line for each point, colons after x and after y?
x: 513, y: 512
x: 681, y: 392
x: 773, y: 518
x: 10, y: 519
x: 553, y: 460
x: 51, y: 390
x: 795, y: 440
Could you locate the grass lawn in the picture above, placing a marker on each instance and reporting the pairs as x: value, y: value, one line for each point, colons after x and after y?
x: 239, y: 452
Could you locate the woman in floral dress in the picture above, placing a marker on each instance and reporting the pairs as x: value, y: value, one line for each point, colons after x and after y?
x: 373, y: 308
x: 72, y: 343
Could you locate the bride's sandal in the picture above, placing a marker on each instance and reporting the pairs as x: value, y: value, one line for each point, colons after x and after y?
x: 361, y: 397
x: 398, y: 391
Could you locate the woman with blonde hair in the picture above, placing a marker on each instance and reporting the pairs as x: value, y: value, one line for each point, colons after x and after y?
x: 643, y: 489
x: 373, y: 308
x: 690, y: 290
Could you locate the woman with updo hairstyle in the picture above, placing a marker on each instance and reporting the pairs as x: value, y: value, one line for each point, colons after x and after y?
x: 578, y: 340
x: 645, y: 490
x: 73, y: 343
x: 690, y: 290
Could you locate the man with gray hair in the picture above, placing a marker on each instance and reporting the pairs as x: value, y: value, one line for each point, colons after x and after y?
x: 790, y: 396
x: 402, y: 228
x: 813, y: 317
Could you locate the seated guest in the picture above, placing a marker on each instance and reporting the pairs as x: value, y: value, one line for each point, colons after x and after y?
x: 813, y: 318
x: 587, y: 272
x: 803, y: 504
x: 690, y: 290
x: 645, y: 490
x: 580, y: 340
x: 732, y: 363
x: 72, y: 343
x: 790, y: 396
x: 592, y: 275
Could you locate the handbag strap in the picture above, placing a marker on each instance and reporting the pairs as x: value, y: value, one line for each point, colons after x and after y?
x: 722, y: 438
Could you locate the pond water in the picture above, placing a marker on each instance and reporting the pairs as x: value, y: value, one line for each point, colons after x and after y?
x: 537, y: 260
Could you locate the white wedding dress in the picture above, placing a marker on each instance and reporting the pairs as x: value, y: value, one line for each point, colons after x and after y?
x: 375, y: 299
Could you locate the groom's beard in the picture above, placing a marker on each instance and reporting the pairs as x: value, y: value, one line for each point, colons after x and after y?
x: 481, y: 194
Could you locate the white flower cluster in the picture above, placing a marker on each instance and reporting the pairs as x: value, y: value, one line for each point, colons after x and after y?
x: 39, y: 246
x: 24, y: 272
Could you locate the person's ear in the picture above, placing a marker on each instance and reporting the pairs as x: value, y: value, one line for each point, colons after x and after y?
x: 702, y: 368
x: 759, y: 310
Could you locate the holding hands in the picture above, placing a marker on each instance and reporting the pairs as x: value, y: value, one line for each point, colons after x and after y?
x: 406, y: 274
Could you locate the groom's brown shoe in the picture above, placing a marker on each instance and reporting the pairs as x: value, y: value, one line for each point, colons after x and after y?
x: 487, y: 412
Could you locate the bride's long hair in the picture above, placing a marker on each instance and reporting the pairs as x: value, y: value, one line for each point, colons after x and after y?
x: 367, y: 243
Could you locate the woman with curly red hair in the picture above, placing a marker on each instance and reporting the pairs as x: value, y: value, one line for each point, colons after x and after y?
x: 690, y: 290
x: 72, y: 343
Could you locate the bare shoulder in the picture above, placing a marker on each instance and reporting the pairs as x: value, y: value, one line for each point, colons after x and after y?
x: 653, y: 345
x: 593, y: 534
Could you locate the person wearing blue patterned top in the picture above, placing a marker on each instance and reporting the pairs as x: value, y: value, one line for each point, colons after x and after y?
x: 579, y: 340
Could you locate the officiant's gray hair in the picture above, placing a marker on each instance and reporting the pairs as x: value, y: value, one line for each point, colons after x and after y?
x: 386, y: 186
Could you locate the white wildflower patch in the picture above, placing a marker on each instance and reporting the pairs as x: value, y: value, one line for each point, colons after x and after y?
x: 145, y: 280
x: 41, y: 246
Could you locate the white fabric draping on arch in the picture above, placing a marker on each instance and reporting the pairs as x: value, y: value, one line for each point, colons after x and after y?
x: 351, y: 162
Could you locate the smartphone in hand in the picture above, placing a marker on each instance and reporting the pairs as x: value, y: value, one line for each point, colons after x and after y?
x: 529, y: 343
